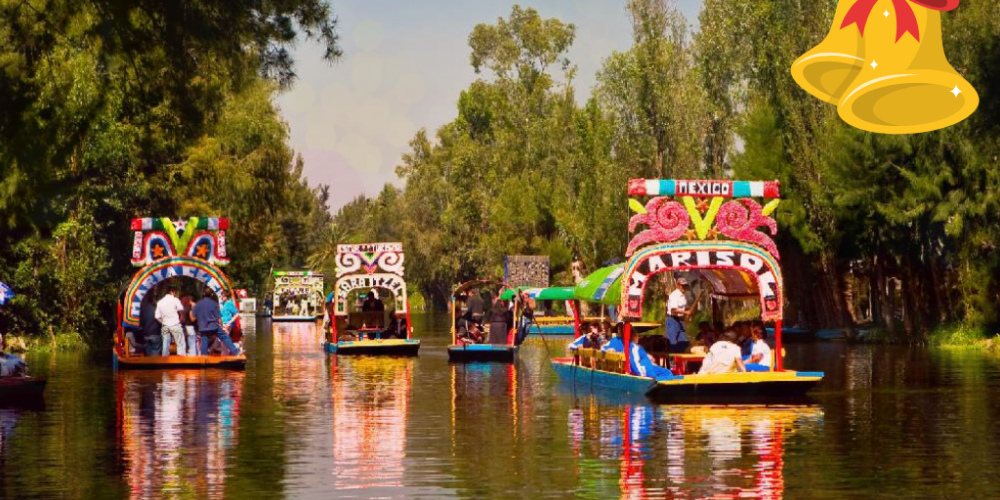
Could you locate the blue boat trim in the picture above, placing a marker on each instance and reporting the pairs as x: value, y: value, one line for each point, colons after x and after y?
x: 810, y: 374
x: 482, y: 347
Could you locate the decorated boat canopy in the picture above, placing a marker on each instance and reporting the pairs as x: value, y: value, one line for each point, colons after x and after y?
x: 298, y: 282
x: 715, y: 227
x: 160, y: 238
x: 366, y: 266
x: 163, y: 269
x: 480, y: 283
x: 553, y: 293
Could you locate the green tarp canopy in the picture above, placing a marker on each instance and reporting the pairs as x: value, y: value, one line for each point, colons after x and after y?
x: 603, y: 286
x: 554, y: 293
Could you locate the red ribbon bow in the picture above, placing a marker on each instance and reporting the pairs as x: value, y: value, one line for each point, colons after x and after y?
x: 906, y: 18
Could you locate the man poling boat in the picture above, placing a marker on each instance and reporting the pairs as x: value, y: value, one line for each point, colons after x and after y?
x: 371, y: 327
x: 718, y: 240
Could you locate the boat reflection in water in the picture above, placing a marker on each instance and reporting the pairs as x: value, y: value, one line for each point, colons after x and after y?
x: 176, y: 429
x: 370, y: 402
x: 684, y: 451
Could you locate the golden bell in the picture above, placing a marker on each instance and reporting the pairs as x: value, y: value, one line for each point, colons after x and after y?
x: 906, y: 85
x: 828, y: 69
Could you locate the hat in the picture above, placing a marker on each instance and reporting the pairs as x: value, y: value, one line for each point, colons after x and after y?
x: 680, y: 280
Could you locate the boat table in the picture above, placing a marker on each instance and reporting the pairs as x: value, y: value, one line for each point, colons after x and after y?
x: 682, y: 361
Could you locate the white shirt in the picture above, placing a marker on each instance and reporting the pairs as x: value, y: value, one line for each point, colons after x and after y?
x: 676, y: 300
x: 168, y: 310
x: 721, y: 358
x: 761, y: 347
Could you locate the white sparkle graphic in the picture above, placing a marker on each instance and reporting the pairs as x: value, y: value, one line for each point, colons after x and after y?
x: 956, y: 91
x: 886, y: 13
x: 874, y: 64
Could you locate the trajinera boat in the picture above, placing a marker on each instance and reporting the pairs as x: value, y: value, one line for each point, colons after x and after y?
x: 710, y: 229
x: 374, y: 329
x: 298, y: 296
x: 469, y: 335
x: 166, y: 249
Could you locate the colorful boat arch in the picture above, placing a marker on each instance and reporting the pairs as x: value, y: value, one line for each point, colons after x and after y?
x: 366, y: 266
x: 753, y: 262
x: 171, y: 267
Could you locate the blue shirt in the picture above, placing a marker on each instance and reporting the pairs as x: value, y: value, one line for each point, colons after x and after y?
x: 206, y: 311
x: 639, y: 361
x: 229, y: 311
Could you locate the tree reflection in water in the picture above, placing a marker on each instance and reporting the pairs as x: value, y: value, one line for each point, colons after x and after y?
x: 683, y: 451
x: 176, y: 429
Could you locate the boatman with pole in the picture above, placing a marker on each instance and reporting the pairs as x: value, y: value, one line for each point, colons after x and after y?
x: 677, y: 313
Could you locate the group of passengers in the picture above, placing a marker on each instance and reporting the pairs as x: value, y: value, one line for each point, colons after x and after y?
x: 297, y: 302
x: 397, y: 327
x: 196, y: 328
x: 499, y: 316
x: 740, y: 348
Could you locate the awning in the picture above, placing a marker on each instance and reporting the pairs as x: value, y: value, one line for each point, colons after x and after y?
x: 603, y: 286
x: 554, y: 293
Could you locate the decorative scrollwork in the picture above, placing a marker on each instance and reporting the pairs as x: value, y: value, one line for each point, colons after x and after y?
x: 740, y: 221
x: 667, y: 220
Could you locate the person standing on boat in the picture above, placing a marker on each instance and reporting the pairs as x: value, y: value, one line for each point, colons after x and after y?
x: 168, y: 313
x: 500, y: 321
x: 677, y: 312
x: 475, y: 306
x: 208, y: 314
x: 527, y: 306
x: 149, y: 327
x: 188, y: 324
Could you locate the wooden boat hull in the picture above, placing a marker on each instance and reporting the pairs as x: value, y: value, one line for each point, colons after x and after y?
x: 482, y: 353
x: 20, y: 390
x: 387, y: 347
x: 295, y: 319
x: 174, y: 362
x: 581, y: 376
x: 755, y: 387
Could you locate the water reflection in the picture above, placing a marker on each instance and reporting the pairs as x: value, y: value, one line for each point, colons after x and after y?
x: 176, y: 429
x: 370, y: 399
x: 683, y: 451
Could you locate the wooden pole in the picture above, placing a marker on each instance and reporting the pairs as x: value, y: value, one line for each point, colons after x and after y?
x: 626, y: 340
x: 454, y: 332
x: 777, y: 346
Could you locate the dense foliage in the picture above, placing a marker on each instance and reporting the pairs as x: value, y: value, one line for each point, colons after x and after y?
x: 114, y: 109
x: 896, y: 231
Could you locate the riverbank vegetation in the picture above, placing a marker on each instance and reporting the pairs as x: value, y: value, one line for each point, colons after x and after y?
x: 111, y: 110
x: 895, y: 231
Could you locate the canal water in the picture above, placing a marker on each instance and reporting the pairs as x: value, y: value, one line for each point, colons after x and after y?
x: 888, y: 422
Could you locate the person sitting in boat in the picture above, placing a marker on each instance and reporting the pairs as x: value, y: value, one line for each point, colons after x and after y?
x: 759, y: 359
x: 704, y: 339
x: 723, y: 357
x: 11, y: 365
x: 591, y: 337
x: 471, y: 334
x: 639, y: 360
x: 369, y: 304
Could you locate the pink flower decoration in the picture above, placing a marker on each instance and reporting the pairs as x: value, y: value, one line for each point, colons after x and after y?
x: 667, y: 220
x: 741, y: 223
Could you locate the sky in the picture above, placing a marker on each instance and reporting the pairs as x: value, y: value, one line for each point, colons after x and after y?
x: 404, y: 65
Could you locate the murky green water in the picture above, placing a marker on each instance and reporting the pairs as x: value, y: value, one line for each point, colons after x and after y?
x: 889, y: 422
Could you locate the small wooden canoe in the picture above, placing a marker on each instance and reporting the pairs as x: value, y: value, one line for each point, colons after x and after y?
x: 482, y: 353
x: 375, y: 347
x: 15, y: 390
x: 179, y: 362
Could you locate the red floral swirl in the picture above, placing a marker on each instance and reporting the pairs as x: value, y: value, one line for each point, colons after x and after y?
x: 667, y: 220
x: 740, y: 222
